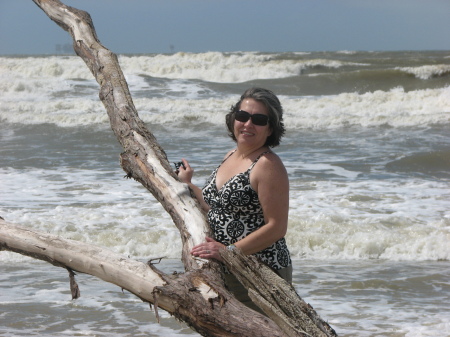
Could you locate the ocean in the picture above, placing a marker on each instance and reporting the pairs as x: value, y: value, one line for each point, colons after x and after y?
x: 367, y: 150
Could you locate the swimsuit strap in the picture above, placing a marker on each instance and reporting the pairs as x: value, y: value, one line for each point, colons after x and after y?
x: 228, y: 157
x: 256, y: 160
x: 251, y: 166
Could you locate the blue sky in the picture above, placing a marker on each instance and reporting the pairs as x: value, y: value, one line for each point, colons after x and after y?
x: 162, y: 26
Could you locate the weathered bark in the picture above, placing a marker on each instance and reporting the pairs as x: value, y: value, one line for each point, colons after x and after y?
x: 198, y: 296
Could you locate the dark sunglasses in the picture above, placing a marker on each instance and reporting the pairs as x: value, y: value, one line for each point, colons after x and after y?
x: 257, y: 119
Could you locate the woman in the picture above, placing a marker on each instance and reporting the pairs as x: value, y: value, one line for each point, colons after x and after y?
x: 247, y: 196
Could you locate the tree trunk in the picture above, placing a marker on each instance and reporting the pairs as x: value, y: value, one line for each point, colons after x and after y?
x: 198, y: 297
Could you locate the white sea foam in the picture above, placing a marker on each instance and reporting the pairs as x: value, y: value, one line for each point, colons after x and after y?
x: 395, y: 108
x: 328, y: 220
x: 63, y: 67
x: 219, y: 67
x: 102, y: 209
x: 370, y: 219
x: 210, y: 67
x: 347, y: 52
x: 61, y: 91
x: 428, y: 71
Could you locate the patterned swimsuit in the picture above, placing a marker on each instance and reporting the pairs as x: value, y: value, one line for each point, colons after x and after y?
x: 236, y: 212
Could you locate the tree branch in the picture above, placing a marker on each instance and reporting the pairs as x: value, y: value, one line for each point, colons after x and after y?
x: 197, y: 297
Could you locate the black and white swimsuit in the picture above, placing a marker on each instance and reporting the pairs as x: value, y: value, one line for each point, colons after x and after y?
x: 236, y: 212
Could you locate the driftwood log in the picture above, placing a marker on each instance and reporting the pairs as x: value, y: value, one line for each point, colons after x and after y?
x: 198, y: 297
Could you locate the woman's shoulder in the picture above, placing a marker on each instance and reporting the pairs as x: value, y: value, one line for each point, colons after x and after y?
x: 270, y: 158
x: 270, y: 161
x: 268, y: 174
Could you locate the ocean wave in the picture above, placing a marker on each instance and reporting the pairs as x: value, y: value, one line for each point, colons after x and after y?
x: 222, y: 67
x: 395, y: 108
x: 428, y: 71
x: 86, y: 208
x: 387, y: 220
x: 61, y: 112
x: 436, y: 163
x: 363, y: 240
x: 179, y: 87
x: 62, y: 67
x: 353, y: 220
x: 347, y: 52
x: 211, y: 66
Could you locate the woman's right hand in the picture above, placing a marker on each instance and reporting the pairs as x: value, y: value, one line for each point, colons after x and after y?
x: 185, y: 172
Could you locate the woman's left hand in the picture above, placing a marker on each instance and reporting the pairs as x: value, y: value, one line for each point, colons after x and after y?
x: 208, y: 249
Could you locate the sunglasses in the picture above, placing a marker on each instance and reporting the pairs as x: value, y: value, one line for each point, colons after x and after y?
x: 257, y: 119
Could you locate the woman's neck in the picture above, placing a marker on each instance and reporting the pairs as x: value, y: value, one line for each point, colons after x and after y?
x: 249, y: 152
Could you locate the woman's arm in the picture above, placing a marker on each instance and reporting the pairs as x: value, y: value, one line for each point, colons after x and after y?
x: 185, y: 173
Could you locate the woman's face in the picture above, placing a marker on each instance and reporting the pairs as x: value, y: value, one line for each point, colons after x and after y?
x: 247, y: 133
